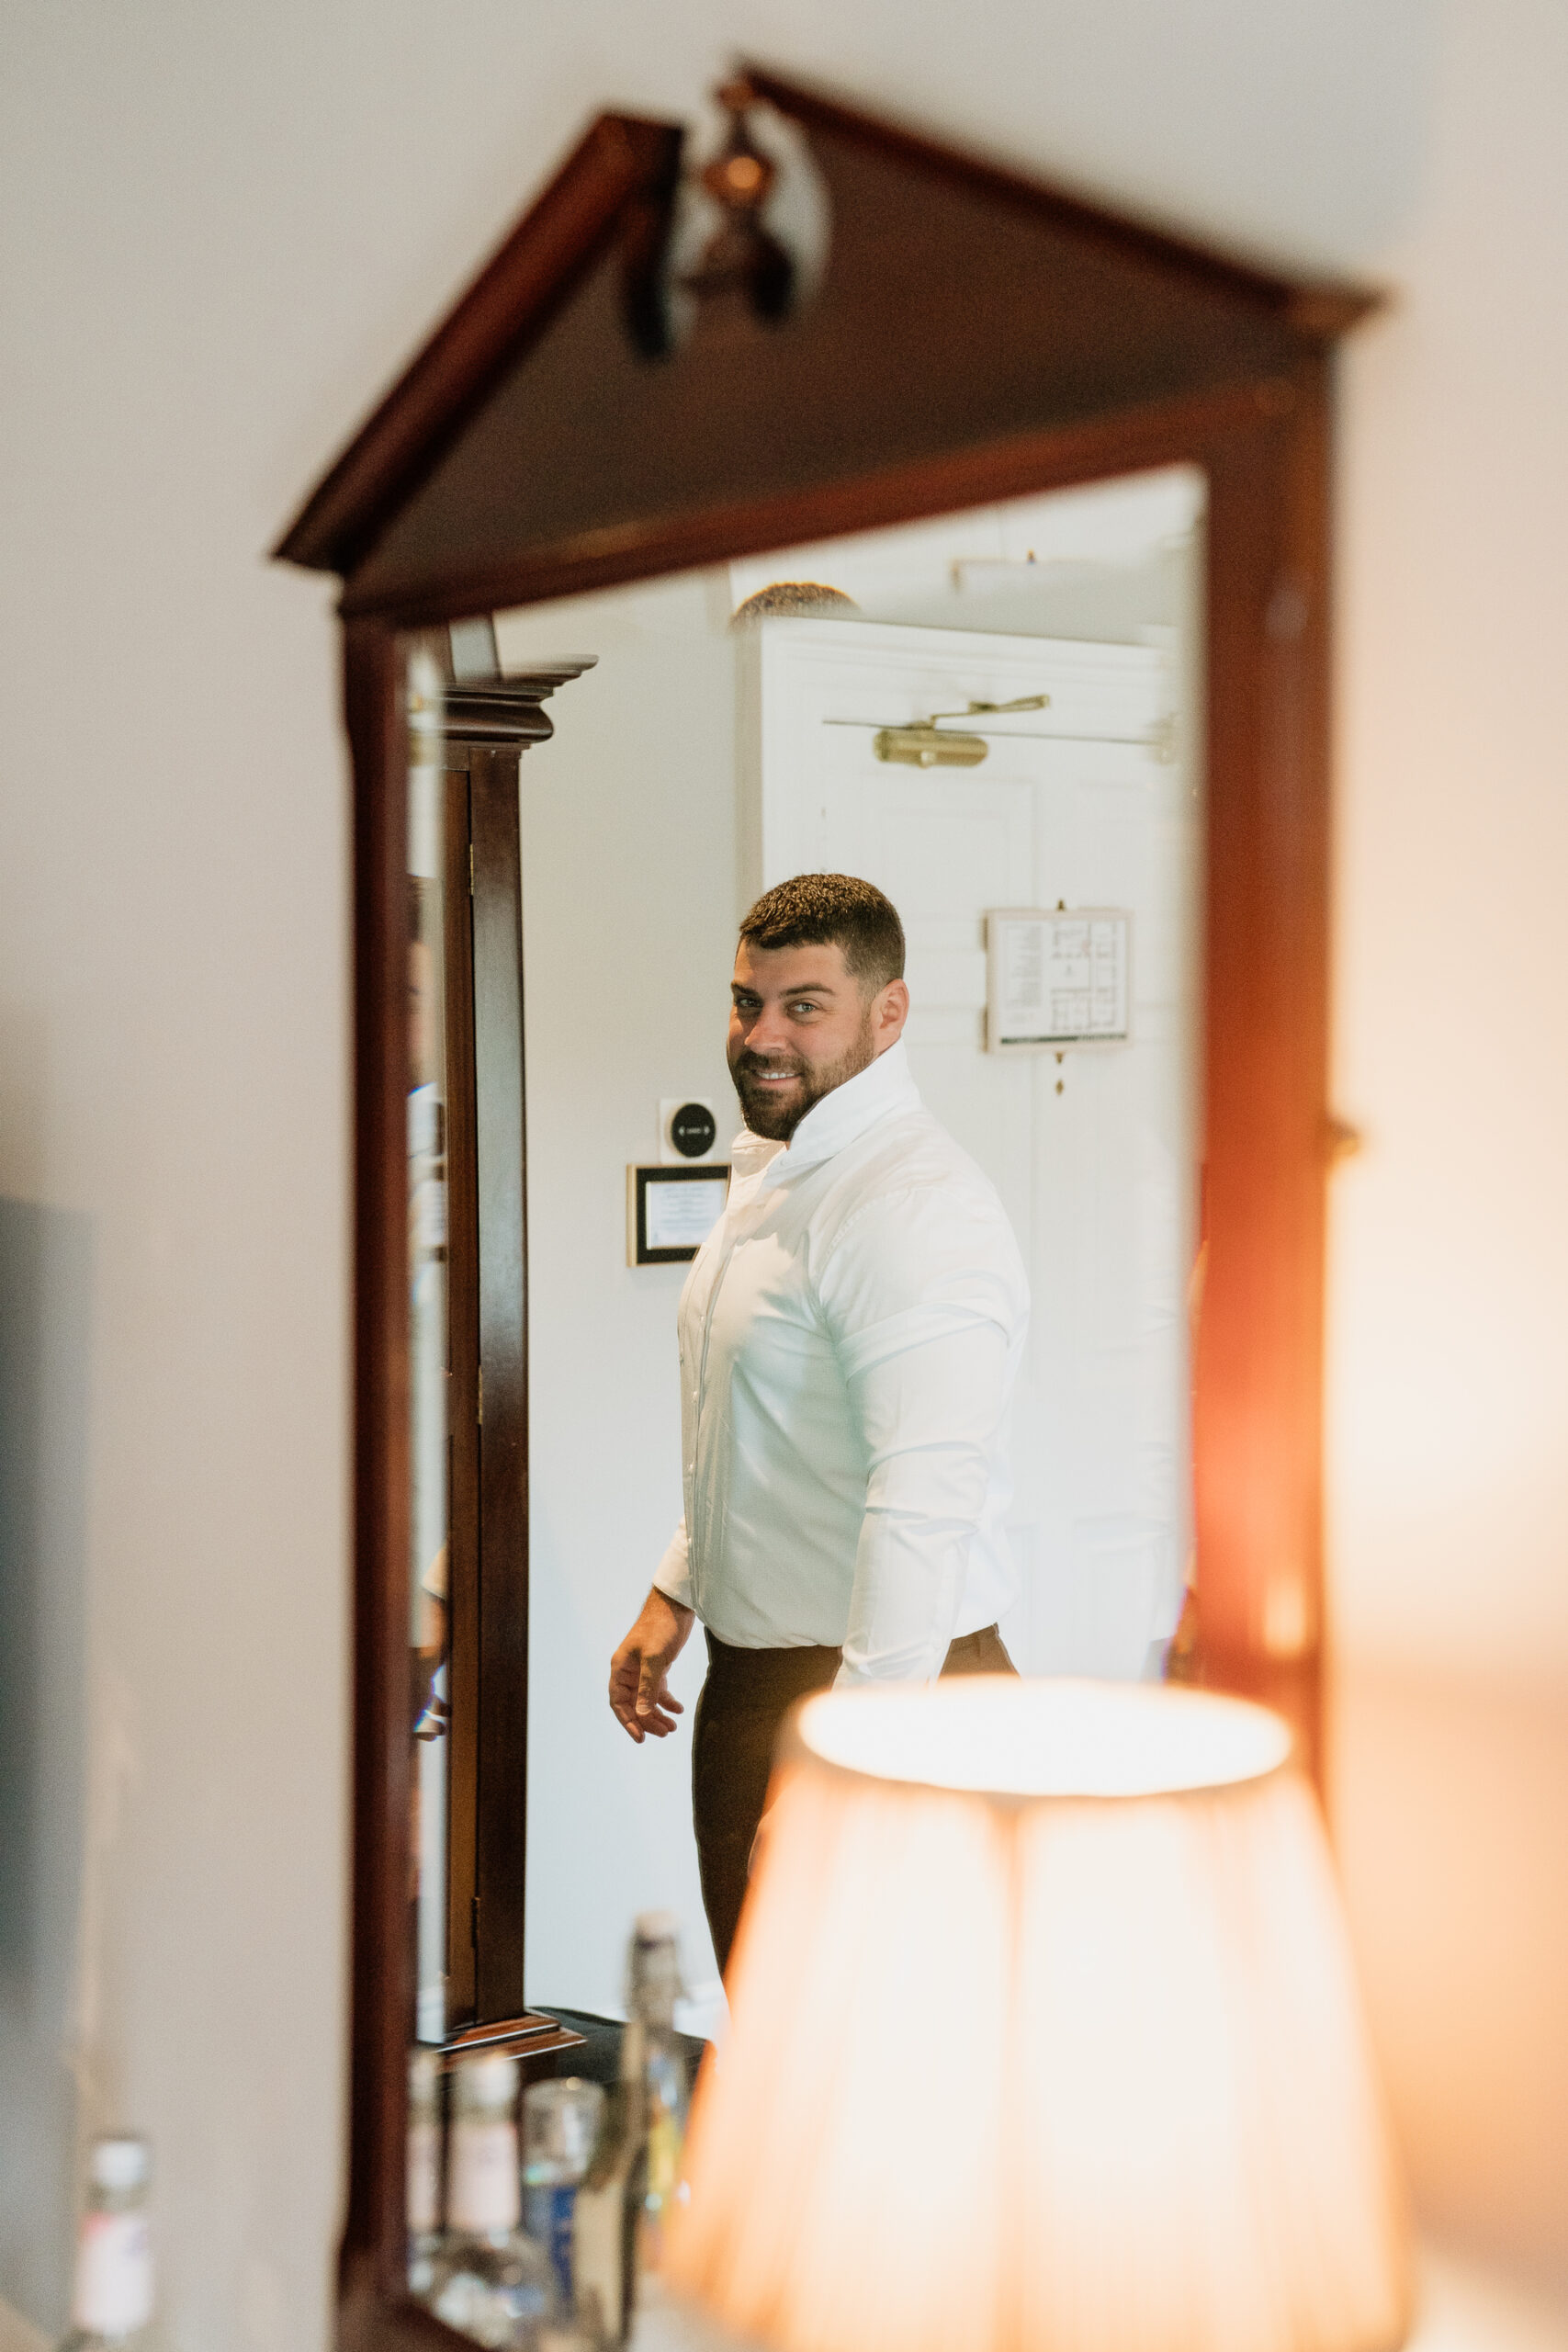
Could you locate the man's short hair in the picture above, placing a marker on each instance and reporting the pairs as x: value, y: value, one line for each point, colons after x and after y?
x: 832, y: 910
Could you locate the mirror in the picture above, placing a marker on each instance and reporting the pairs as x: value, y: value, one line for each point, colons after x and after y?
x: 727, y: 731
x: 960, y: 343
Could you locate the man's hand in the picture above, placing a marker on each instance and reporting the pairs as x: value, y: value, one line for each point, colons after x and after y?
x: 640, y: 1700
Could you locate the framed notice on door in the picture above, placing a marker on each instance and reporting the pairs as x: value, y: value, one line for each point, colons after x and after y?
x: 672, y: 1211
x: 1057, y: 979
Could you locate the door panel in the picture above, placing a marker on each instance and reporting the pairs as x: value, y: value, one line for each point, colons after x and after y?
x: 1094, y: 1153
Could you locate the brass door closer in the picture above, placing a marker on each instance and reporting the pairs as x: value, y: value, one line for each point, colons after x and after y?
x: 925, y: 746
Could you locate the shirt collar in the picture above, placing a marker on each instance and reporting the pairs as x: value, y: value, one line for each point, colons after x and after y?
x: 879, y: 1091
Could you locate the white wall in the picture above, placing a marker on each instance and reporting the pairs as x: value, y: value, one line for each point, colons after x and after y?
x: 1450, y: 1366
x: 630, y: 899
x: 1449, y: 1299
x: 223, y: 228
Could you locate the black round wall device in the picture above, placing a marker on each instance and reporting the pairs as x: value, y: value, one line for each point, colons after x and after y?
x: 693, y: 1130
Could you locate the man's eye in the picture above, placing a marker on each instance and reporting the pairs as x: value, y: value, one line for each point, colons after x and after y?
x: 805, y: 1005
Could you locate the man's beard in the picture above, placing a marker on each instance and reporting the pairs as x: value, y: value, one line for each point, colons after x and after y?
x: 776, y: 1111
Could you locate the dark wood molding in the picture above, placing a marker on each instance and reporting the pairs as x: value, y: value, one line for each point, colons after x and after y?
x: 489, y: 442
x: 1128, y: 442
x: 463, y: 1405
x: 371, y: 2256
x: 486, y: 726
x: 506, y: 710
x: 392, y: 2323
x: 499, y: 1838
x: 1321, y: 308
x: 537, y: 2042
x: 621, y: 165
x: 1257, y: 1410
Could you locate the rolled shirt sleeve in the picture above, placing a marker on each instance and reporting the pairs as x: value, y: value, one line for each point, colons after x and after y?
x: 926, y: 1310
x: 672, y: 1576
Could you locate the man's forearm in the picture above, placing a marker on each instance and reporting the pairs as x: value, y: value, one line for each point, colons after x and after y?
x: 681, y: 1611
x: 909, y: 1584
x: 934, y: 1423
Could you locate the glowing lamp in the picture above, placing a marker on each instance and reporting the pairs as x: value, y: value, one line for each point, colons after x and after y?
x: 1045, y: 2038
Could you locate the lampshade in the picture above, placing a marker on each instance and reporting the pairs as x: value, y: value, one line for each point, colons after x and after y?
x: 1044, y: 2033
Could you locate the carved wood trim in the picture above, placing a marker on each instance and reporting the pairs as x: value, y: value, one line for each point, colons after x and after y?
x: 371, y: 2258
x: 622, y: 166
x: 1325, y: 308
x: 1023, y: 463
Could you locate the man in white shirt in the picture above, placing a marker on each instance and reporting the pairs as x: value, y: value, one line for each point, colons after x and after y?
x: 848, y: 1335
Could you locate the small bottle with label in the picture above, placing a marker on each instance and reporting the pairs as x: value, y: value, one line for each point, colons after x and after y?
x: 561, y: 2123
x: 112, y: 2294
x: 487, y: 2278
x: 653, y: 1986
x: 634, y: 2179
x: 424, y: 2177
x: 605, y: 2215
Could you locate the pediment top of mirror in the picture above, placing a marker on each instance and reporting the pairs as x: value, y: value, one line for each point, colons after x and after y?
x: 1314, y: 306
x: 532, y: 446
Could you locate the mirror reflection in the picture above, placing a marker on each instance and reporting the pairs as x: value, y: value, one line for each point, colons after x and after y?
x: 990, y: 723
x: 429, y: 1342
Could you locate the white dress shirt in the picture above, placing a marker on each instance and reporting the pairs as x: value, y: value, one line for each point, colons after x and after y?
x: 849, y: 1335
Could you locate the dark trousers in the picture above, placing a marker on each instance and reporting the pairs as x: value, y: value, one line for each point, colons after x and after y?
x: 745, y: 1697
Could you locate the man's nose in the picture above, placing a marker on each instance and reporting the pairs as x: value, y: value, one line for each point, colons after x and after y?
x: 769, y: 1032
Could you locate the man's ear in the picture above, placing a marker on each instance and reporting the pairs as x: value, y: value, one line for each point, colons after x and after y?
x: 889, y: 1013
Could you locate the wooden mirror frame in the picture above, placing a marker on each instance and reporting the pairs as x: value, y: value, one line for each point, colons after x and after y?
x: 978, y: 336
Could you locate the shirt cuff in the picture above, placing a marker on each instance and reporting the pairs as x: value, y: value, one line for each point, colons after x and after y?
x: 916, y: 1663
x: 672, y: 1576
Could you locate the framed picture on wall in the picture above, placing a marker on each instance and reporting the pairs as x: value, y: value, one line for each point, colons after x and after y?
x: 1057, y: 979
x: 672, y: 1211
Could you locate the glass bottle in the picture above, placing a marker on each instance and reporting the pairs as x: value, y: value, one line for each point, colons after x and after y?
x: 605, y: 2215
x: 487, y: 2278
x: 111, y: 2293
x: 624, y: 2205
x: 423, y: 2184
x: 561, y: 2125
x: 653, y: 1987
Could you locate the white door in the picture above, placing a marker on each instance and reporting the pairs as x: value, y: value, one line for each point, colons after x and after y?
x: 1084, y: 802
